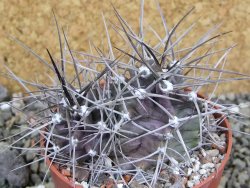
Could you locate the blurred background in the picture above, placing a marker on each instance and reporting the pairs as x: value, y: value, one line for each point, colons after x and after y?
x: 32, y: 22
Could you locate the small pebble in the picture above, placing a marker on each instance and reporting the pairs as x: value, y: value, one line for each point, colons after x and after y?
x: 240, y: 164
x: 17, y: 103
x: 34, y: 166
x: 202, y: 171
x: 3, y: 93
x: 189, y: 172
x: 217, y: 165
x: 65, y: 172
x: 203, y: 152
x: 207, y: 165
x: 243, y: 177
x: 213, y: 152
x: 35, y: 178
x: 85, y: 184
x: 190, y: 183
x: 223, y: 137
x: 196, y: 177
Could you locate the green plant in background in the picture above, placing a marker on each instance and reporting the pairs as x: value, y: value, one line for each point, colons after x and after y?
x: 140, y: 115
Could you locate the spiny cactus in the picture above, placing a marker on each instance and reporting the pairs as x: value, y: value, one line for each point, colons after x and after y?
x: 138, y: 116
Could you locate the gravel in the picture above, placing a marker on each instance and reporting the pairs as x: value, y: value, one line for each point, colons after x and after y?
x: 236, y: 173
x: 9, y: 160
x: 12, y: 123
x: 237, y: 170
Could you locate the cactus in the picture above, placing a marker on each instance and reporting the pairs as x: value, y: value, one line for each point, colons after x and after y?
x: 137, y: 116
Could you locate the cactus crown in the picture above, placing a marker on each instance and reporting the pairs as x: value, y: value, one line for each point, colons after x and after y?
x: 140, y: 114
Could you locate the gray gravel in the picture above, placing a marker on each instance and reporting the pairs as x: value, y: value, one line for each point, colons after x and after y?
x: 9, y: 160
x: 236, y: 174
x: 237, y: 171
x: 3, y: 93
x: 12, y: 122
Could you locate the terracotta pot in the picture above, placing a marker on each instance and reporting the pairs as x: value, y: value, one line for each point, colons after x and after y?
x: 212, y: 181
